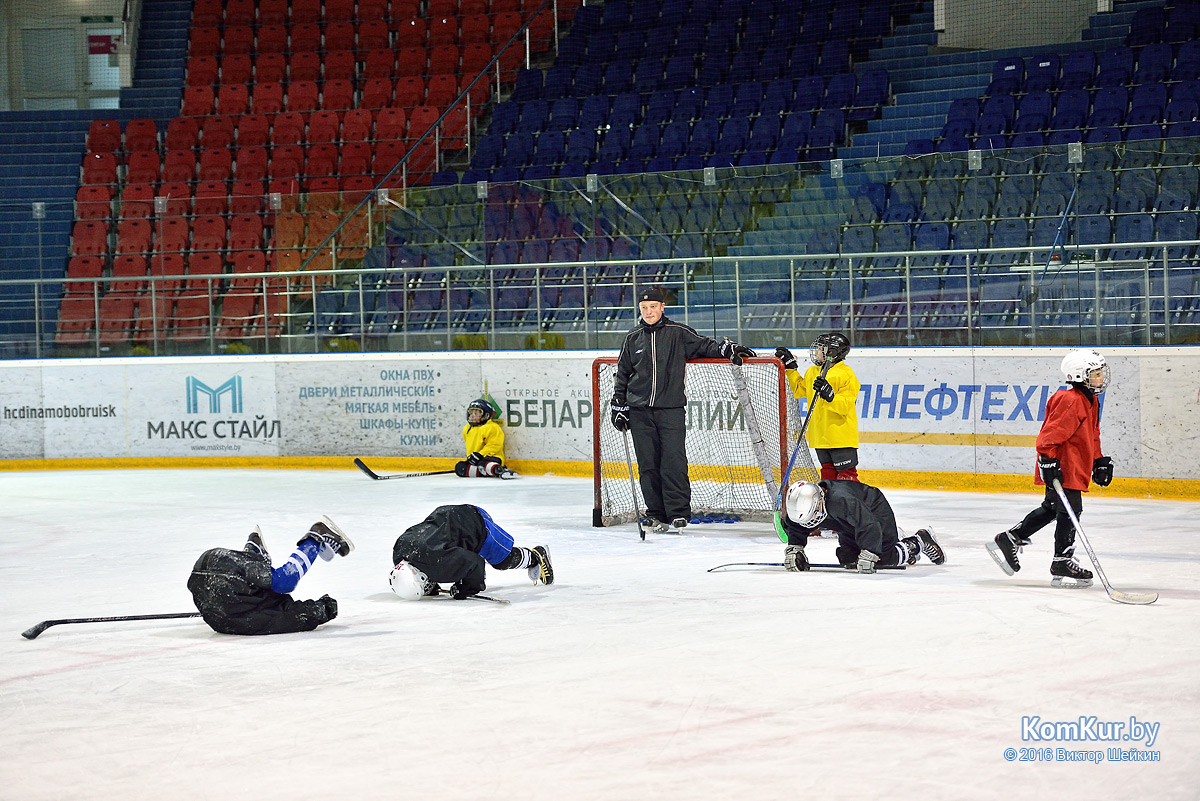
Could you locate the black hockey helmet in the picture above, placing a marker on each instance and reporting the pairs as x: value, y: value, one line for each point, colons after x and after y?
x: 482, y: 405
x: 833, y: 345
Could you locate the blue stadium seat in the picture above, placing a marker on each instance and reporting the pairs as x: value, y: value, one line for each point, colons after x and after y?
x: 1041, y: 74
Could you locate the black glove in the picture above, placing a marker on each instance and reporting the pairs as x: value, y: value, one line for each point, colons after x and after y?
x: 475, y: 458
x: 330, y: 607
x: 620, y: 414
x: 822, y: 388
x: 458, y: 592
x: 789, y: 361
x: 1102, y: 471
x: 735, y: 352
x: 1049, y: 468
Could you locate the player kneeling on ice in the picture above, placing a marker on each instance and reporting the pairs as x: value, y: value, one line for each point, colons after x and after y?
x: 451, y: 546
x: 865, y: 525
x: 484, y: 439
x: 238, y: 592
x: 1068, y: 449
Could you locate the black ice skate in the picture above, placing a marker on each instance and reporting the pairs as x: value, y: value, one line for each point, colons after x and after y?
x: 506, y: 473
x: 1004, y: 550
x: 255, y: 544
x: 331, y: 538
x: 680, y: 523
x: 912, y: 550
x: 1068, y: 574
x: 655, y: 526
x: 931, y: 547
x: 541, y: 571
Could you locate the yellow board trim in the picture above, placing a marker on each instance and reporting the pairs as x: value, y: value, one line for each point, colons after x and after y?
x: 914, y: 438
x: 1162, y: 488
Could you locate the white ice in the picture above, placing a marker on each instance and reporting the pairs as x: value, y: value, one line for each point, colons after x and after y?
x: 637, y: 675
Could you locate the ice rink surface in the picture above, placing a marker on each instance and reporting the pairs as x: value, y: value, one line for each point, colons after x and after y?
x: 637, y: 675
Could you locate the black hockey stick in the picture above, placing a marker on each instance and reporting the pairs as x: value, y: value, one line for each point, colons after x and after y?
x: 796, y: 452
x: 363, y: 467
x: 33, y: 631
x: 1120, y: 597
x: 814, y: 566
x: 637, y: 513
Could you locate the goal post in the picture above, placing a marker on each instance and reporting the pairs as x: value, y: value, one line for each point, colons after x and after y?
x: 736, y: 455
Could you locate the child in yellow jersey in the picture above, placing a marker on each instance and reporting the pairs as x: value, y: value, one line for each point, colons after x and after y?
x: 484, y: 439
x: 833, y: 427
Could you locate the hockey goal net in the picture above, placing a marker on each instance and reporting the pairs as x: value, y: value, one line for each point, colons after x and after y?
x: 741, y: 424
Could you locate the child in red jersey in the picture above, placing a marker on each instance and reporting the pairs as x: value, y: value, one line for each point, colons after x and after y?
x: 1068, y: 449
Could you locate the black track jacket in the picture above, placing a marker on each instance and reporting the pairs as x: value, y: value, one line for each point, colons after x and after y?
x: 650, y: 369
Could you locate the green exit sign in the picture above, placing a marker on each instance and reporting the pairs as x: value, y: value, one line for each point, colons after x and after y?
x: 107, y: 18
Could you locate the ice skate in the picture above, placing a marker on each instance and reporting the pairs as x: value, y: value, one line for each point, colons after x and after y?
x: 1068, y: 574
x: 680, y: 523
x: 541, y: 571
x: 332, y: 539
x: 1004, y: 550
x: 506, y: 473
x: 912, y: 550
x: 930, y: 546
x: 655, y: 526
x: 255, y: 544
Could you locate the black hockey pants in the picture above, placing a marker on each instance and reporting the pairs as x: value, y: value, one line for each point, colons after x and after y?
x: 1051, y: 509
x: 659, y: 442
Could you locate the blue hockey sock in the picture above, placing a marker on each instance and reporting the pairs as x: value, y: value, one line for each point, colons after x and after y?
x: 285, y: 577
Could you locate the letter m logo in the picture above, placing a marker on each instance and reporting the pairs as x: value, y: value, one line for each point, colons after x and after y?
x: 196, y: 388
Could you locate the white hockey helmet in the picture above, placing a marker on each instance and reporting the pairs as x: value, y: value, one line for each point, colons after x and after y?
x: 408, y: 582
x: 805, y: 504
x: 1078, y: 367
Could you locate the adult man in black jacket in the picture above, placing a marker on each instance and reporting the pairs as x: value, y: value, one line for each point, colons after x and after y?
x: 649, y: 400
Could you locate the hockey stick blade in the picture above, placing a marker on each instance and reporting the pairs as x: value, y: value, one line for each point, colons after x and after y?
x: 33, y: 631
x: 814, y: 566
x: 1133, y: 598
x: 361, y: 465
x: 490, y: 599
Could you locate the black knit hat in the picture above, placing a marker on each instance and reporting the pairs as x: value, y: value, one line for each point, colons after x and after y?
x: 651, y: 294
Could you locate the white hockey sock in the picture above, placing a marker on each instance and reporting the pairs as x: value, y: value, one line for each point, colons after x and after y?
x: 526, y: 558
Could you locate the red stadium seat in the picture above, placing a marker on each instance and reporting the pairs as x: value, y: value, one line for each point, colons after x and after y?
x: 202, y: 71
x: 373, y: 33
x: 207, y: 13
x: 211, y: 199
x: 340, y: 65
x: 247, y: 197
x: 204, y: 40
x: 320, y: 160
x: 272, y: 12
x: 183, y: 133
x: 178, y: 199
x: 380, y: 63
x: 442, y: 90
x: 272, y: 39
x: 238, y: 308
x: 270, y: 68
x: 339, y: 36
x: 391, y: 123
x: 387, y: 155
x: 355, y: 188
x: 137, y: 202
x: 253, y: 130
x: 217, y: 132
x: 179, y: 166
x: 83, y: 267
x: 209, y: 234
x: 251, y: 260
x: 93, y: 203
x: 443, y: 59
x: 99, y: 168
x: 172, y: 235
x: 197, y: 101
x: 152, y: 318
x: 133, y: 237
x: 475, y: 29
x: 76, y: 317
x: 412, y: 61
x: 303, y: 96
x: 288, y: 128
x: 268, y: 98
x: 236, y: 68
x: 251, y: 164
x: 239, y: 12
x: 410, y: 91
x: 355, y: 159
x: 167, y: 264
x: 323, y: 126
x: 305, y: 11
x: 142, y: 167
x: 337, y: 94
x: 89, y: 238
x: 116, y: 319
x: 215, y: 165
x: 304, y: 66
x: 233, y: 99
x: 132, y: 268
x: 245, y: 234
x: 141, y: 135
x: 322, y: 193
x: 411, y: 32
x: 377, y: 93
x: 475, y: 58
x: 305, y: 36
x: 357, y: 125
x: 238, y: 39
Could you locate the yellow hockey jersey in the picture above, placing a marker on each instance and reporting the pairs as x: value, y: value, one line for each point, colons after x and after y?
x: 834, y: 424
x: 487, y: 438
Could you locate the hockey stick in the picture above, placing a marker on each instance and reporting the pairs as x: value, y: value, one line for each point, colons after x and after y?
x: 363, y: 467
x: 796, y: 452
x: 813, y: 566
x: 1117, y: 595
x: 637, y: 513
x: 33, y: 631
